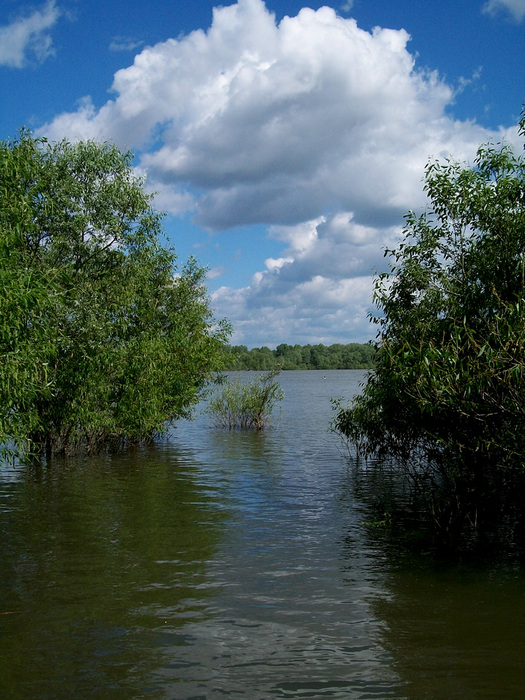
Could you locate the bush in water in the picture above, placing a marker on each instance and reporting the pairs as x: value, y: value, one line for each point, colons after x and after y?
x: 246, y: 405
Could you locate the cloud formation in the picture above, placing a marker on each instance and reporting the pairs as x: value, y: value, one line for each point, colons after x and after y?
x: 124, y: 43
x: 273, y: 124
x: 516, y: 8
x: 318, y: 291
x: 28, y: 36
x: 313, y: 127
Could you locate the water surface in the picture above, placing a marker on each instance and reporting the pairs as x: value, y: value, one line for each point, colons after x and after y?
x: 224, y: 564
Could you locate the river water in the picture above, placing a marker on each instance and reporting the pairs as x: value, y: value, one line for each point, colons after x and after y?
x: 224, y: 564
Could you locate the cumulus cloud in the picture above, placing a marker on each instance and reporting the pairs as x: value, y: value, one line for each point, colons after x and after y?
x: 28, y: 36
x: 275, y: 123
x: 319, y: 290
x: 318, y: 310
x: 312, y: 126
x: 516, y: 8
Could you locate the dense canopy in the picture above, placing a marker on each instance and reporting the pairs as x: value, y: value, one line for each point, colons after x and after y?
x: 103, y: 338
x: 447, y: 398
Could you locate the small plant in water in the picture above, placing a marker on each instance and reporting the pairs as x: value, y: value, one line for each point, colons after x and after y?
x: 246, y: 405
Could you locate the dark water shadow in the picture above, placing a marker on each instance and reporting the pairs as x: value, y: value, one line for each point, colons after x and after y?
x: 103, y: 561
x: 452, y: 618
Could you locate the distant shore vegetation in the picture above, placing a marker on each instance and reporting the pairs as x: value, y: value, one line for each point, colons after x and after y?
x: 286, y: 357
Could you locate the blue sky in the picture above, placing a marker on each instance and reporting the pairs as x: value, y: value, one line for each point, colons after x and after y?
x: 285, y: 140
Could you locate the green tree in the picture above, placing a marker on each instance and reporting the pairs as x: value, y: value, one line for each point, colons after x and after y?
x: 447, y: 397
x: 102, y: 337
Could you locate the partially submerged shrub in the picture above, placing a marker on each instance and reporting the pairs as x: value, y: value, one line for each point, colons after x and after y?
x: 446, y: 399
x: 246, y: 405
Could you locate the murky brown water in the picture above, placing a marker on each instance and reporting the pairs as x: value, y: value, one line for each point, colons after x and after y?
x: 219, y: 564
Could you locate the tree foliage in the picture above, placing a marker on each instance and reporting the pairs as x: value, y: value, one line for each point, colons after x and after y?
x: 447, y: 398
x: 102, y: 337
x: 287, y: 357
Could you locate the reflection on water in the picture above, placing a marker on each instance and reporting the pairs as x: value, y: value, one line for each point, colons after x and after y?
x: 457, y: 631
x: 98, y: 559
x: 222, y: 563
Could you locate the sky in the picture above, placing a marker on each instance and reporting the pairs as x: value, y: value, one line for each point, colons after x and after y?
x: 284, y: 140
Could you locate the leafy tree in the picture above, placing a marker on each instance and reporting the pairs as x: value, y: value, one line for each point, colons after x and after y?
x: 103, y: 339
x: 447, y: 398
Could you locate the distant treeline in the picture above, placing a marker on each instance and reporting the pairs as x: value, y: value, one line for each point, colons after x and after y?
x: 338, y: 356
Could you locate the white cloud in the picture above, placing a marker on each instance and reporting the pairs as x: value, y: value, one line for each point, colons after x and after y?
x: 312, y: 126
x: 215, y: 272
x: 319, y: 310
x: 28, y: 36
x: 124, y: 43
x: 347, y: 6
x: 516, y: 8
x: 275, y: 123
x: 320, y: 288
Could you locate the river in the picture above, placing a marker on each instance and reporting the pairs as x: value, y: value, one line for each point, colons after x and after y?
x: 225, y: 564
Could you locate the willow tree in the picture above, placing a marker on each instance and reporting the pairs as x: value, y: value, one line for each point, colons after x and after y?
x: 447, y: 398
x: 103, y: 338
